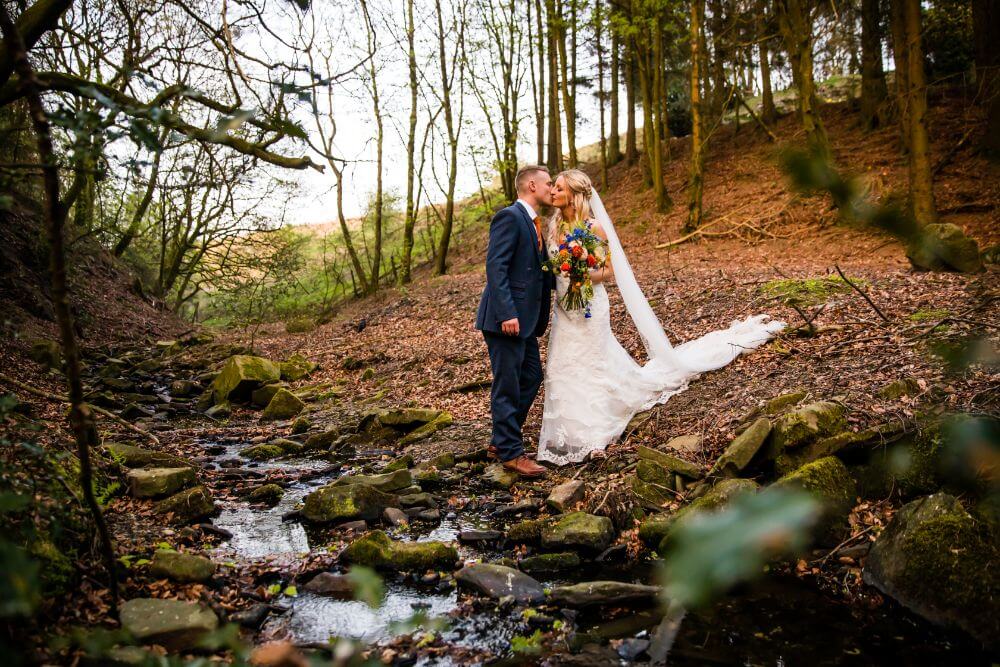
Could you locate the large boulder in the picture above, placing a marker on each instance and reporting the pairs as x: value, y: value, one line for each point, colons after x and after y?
x: 935, y: 559
x: 498, y: 581
x: 804, y: 425
x: 296, y: 368
x: 241, y: 374
x: 578, y: 530
x: 333, y: 503
x: 261, y: 396
x: 941, y: 247
x: 830, y: 483
x: 742, y: 449
x: 377, y: 550
x: 187, y: 506
x: 157, y: 482
x: 182, y: 567
x: 594, y: 593
x: 131, y: 456
x: 396, y: 480
x: 284, y: 405
x: 173, y: 624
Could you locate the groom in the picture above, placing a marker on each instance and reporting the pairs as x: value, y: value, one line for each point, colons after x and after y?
x: 513, y: 312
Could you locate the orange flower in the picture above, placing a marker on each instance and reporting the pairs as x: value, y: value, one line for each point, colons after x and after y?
x: 577, y: 251
x: 565, y: 266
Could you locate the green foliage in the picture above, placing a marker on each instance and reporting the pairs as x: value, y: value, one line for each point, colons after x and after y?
x: 367, y: 585
x: 531, y: 645
x: 948, y: 36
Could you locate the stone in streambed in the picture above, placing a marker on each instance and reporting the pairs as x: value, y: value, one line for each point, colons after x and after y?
x: 173, y: 624
x: 333, y: 503
x: 386, y: 482
x: 475, y: 535
x: 935, y: 559
x: 259, y: 398
x: 578, y: 530
x: 596, y: 593
x: 499, y: 477
x: 408, y: 417
x: 263, y: 452
x: 419, y: 499
x: 550, y: 563
x: 220, y: 410
x: 499, y: 581
x: 181, y: 567
x: 157, y: 482
x: 527, y: 532
x: 377, y: 550
x: 296, y: 368
x: 301, y: 424
x: 131, y: 456
x: 337, y: 586
x: 187, y: 506
x: 183, y: 388
x: 829, y: 481
x: 566, y: 495
x: 402, y: 463
x: 268, y: 494
x: 742, y: 449
x: 284, y: 405
x: 395, y: 516
x: 241, y: 374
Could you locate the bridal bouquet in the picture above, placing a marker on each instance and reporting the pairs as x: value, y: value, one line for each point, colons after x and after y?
x: 580, y: 251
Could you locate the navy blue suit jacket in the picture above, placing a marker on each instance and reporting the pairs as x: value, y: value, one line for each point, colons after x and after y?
x: 516, y: 286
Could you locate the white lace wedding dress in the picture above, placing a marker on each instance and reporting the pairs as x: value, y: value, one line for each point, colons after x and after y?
x: 593, y: 386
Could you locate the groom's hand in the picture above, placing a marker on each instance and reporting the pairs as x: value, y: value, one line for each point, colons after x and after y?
x: 511, y: 327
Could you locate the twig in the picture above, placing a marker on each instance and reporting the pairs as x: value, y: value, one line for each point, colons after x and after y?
x: 862, y: 293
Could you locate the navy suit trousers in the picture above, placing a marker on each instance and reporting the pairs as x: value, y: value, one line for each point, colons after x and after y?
x: 517, y: 376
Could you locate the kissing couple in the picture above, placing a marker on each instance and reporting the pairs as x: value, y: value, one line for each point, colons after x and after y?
x: 593, y: 386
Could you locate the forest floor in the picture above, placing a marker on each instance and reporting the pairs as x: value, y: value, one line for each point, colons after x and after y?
x: 416, y: 346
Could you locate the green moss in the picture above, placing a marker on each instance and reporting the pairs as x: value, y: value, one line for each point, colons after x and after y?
x: 928, y: 315
x: 241, y: 374
x: 527, y: 531
x: 376, y: 549
x: 807, y: 291
x: 57, y: 572
x: 654, y: 528
x: 832, y: 485
x: 578, y: 530
x: 782, y: 401
x: 546, y: 563
x: 716, y: 498
x: 915, y: 461
x: 346, y: 502
x: 262, y: 452
x: 402, y: 463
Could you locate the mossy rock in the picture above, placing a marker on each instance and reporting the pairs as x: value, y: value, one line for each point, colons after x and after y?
x: 262, y: 396
x: 550, y: 563
x: 131, y: 456
x: 499, y: 477
x: 187, y: 506
x: 268, y: 494
x: 442, y: 461
x: 241, y: 374
x: 650, y: 495
x: 336, y: 503
x: 386, y: 482
x: 935, y: 559
x: 527, y: 532
x: 300, y: 325
x: 301, y: 424
x: 172, y: 624
x: 804, y: 425
x: 262, y: 452
x: 578, y: 530
x: 742, y: 449
x: 404, y: 462
x: 408, y: 418
x: 830, y: 483
x: 181, y: 567
x: 296, y: 368
x: 793, y: 459
x: 322, y: 440
x: 377, y: 550
x: 899, y: 388
x: 783, y: 401
x: 944, y: 247
x: 284, y: 405
x: 46, y: 352
x: 158, y: 482
x: 671, y: 463
x: 653, y: 473
x: 287, y: 446
x: 807, y: 291
x: 443, y: 420
x: 654, y: 528
x: 717, y: 497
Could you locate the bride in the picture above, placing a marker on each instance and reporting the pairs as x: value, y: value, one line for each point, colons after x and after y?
x: 593, y: 387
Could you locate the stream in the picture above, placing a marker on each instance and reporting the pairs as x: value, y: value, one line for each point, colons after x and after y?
x: 777, y: 621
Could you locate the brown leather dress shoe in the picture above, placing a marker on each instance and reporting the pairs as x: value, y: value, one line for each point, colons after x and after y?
x: 491, y: 453
x: 524, y: 467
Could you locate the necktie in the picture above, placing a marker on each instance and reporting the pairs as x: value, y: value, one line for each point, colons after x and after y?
x: 538, y: 231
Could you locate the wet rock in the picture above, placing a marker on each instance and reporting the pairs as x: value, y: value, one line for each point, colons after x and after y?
x: 241, y: 374
x: 474, y: 535
x: 335, y: 503
x: 284, y: 405
x: 187, y: 506
x: 301, y: 424
x: 936, y: 560
x: 685, y: 443
x: 632, y: 648
x: 46, y: 352
x: 832, y: 485
x: 182, y: 567
x: 184, y: 388
x: 550, y: 563
x: 526, y: 532
x: 430, y: 516
x: 941, y: 247
x: 670, y: 463
x: 443, y: 420
x: 782, y: 401
x: 578, y: 530
x: 337, y: 586
x: 806, y: 424
x: 654, y: 528
x: 499, y: 477
x: 322, y: 440
x: 498, y: 581
x: 395, y: 516
x: 157, y: 482
x: 599, y: 593
x: 442, y: 461
x: 133, y: 411
x: 173, y: 624
x: 528, y: 505
x: 354, y: 526
x: 377, y: 550
x: 742, y: 449
x: 264, y: 452
x: 253, y: 617
x: 402, y: 463
x: 220, y: 410
x: 296, y: 368
x: 566, y: 495
x: 417, y: 500
x: 287, y: 446
x: 118, y: 384
x: 261, y: 396
x: 426, y: 476
x: 268, y: 494
x: 386, y: 482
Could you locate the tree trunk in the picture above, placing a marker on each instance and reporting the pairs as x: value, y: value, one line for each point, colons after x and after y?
x: 566, y: 84
x: 696, y: 187
x: 379, y: 141
x: 769, y: 114
x: 410, y: 220
x: 555, y: 158
x: 631, y: 147
x: 538, y: 81
x: 986, y: 29
x: 598, y: 35
x: 873, y: 90
x: 897, y: 25
x: 796, y: 28
x: 921, y: 181
x: 718, y: 60
x: 614, y: 141
x: 449, y: 204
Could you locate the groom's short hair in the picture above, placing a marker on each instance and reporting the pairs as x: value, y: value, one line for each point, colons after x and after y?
x: 525, y: 173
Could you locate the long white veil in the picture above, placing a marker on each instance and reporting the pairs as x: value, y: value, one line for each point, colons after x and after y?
x: 711, y: 351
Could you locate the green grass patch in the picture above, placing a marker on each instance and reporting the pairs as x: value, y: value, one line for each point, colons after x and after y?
x: 928, y: 315
x: 807, y: 291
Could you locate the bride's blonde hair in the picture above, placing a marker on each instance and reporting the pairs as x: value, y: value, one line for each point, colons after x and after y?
x: 581, y: 188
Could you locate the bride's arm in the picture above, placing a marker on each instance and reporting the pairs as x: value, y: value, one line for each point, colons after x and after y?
x: 603, y: 275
